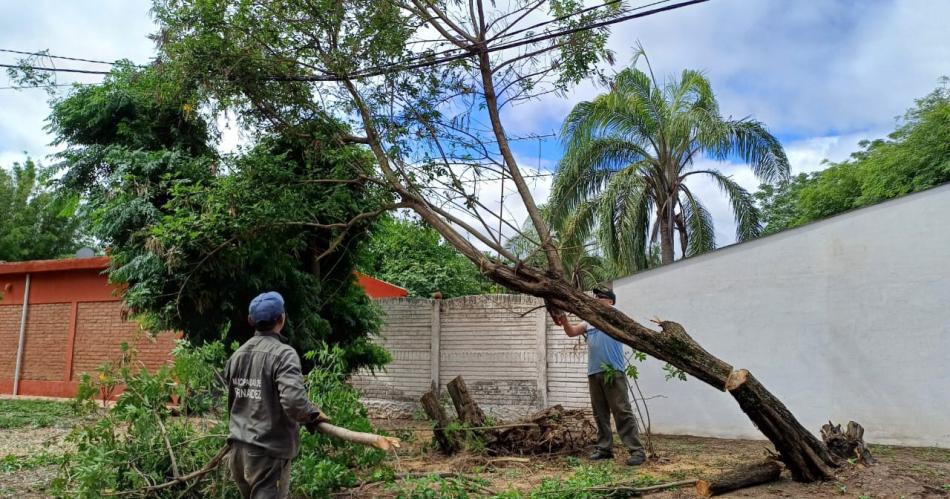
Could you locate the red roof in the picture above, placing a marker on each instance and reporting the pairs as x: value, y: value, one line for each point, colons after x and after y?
x: 32, y: 266
x: 377, y: 289
x: 374, y: 288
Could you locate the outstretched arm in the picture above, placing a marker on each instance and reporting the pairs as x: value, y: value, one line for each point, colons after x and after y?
x: 572, y: 330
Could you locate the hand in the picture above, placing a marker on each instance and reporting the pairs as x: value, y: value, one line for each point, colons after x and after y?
x: 318, y: 418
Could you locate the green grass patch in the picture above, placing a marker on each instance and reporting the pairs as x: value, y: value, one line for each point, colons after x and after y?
x: 11, y: 463
x: 34, y: 414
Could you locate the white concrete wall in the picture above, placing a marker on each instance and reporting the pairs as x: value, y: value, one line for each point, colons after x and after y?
x: 848, y: 318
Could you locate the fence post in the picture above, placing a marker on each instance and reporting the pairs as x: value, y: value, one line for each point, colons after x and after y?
x: 434, y: 346
x: 542, y: 353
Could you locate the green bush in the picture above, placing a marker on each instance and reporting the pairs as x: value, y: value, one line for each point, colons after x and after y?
x: 125, y: 449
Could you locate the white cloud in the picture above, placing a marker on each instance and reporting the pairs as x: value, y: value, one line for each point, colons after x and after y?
x: 803, y: 68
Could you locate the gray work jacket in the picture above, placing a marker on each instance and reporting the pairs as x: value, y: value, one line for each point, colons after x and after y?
x: 266, y: 395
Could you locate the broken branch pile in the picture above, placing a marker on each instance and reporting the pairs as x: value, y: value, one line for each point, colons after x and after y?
x: 554, y: 429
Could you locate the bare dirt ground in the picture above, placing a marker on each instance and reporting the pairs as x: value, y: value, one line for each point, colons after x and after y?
x: 900, y: 471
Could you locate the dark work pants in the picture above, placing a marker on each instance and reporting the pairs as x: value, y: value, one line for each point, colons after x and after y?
x: 612, y: 398
x: 258, y: 475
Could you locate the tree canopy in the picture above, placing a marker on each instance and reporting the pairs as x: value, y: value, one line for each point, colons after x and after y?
x: 196, y: 234
x: 35, y: 223
x: 915, y: 157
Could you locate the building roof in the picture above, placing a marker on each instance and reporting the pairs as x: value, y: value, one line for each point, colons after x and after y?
x: 373, y: 287
x: 33, y: 266
x: 376, y: 288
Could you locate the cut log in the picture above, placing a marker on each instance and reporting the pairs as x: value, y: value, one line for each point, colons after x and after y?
x: 447, y: 443
x: 847, y: 445
x: 466, y: 407
x: 804, y: 455
x: 746, y: 476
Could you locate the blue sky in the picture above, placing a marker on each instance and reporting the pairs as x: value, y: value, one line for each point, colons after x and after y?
x: 822, y: 74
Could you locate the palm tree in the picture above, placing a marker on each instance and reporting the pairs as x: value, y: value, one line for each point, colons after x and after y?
x: 628, y: 155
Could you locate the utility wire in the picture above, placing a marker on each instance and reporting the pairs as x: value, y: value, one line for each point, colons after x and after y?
x: 55, y: 70
x: 51, y: 56
x: 409, y: 64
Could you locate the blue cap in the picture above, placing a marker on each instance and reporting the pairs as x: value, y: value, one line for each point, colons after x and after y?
x: 266, y: 307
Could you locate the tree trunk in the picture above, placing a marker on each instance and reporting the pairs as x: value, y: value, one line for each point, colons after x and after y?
x: 468, y: 410
x: 803, y: 454
x: 666, y: 236
x: 747, y: 476
x: 447, y: 443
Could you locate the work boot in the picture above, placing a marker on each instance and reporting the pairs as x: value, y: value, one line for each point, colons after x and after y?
x: 601, y: 454
x: 636, y: 459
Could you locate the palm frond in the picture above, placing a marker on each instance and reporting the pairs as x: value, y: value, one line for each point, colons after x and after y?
x: 747, y: 216
x: 585, y: 170
x: 751, y: 141
x: 700, y: 227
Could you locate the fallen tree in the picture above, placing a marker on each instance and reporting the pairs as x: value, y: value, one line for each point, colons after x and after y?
x: 428, y: 103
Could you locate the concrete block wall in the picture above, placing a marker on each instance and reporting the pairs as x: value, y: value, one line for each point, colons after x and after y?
x: 505, y: 346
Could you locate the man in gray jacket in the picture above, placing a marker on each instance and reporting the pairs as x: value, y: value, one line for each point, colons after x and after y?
x: 268, y: 403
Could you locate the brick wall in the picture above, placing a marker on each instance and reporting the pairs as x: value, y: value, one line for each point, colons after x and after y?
x: 74, y: 325
x: 9, y: 335
x: 100, y: 330
x: 44, y: 348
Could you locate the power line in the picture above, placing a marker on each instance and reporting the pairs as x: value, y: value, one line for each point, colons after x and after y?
x: 579, y: 12
x: 51, y: 56
x: 25, y: 87
x: 55, y: 70
x: 429, y: 62
x: 473, y: 50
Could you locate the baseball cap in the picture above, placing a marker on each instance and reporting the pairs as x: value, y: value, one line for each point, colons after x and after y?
x: 266, y: 307
x: 605, y: 293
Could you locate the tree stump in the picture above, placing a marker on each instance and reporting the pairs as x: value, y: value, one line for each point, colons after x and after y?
x: 848, y: 444
x: 466, y: 407
x: 447, y: 443
x: 746, y: 476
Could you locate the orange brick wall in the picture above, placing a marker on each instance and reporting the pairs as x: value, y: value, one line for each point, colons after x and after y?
x: 100, y: 331
x: 44, y: 349
x: 9, y: 335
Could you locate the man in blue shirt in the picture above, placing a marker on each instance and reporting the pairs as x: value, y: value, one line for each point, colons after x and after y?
x: 608, y: 393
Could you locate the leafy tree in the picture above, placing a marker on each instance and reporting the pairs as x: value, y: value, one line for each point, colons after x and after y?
x: 423, y: 84
x: 629, y: 154
x: 916, y: 156
x: 196, y: 235
x: 409, y: 254
x: 35, y: 223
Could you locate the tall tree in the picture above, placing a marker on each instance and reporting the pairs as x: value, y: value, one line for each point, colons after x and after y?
x: 425, y: 85
x: 629, y: 154
x: 916, y: 156
x: 35, y: 223
x: 196, y: 235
